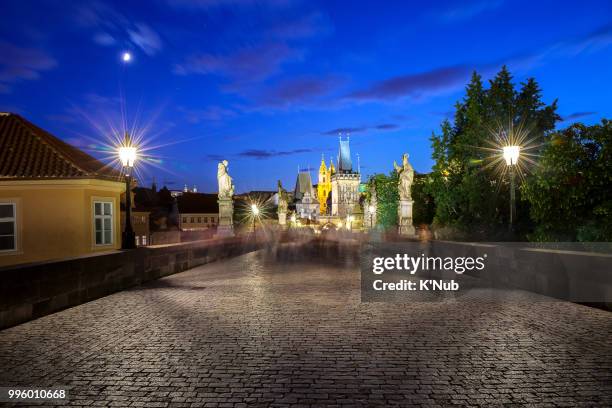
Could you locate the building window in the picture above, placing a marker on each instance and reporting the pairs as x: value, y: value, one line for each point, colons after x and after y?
x: 192, y: 220
x: 184, y: 220
x: 144, y: 240
x: 206, y: 219
x: 137, y: 240
x: 103, y: 222
x: 8, y: 227
x: 199, y: 220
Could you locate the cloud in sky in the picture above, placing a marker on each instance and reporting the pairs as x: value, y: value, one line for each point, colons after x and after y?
x: 104, y: 39
x: 113, y: 27
x: 247, y: 64
x: 361, y: 129
x: 436, y: 81
x: 266, y: 154
x: 452, y: 78
x: 18, y: 64
x: 298, y: 91
x: 211, y: 113
x: 210, y: 4
x: 592, y: 42
x: 144, y: 37
x: 577, y: 115
x: 466, y: 10
x: 258, y: 154
x: 304, y: 26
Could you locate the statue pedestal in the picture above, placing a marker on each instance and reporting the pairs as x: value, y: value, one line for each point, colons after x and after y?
x: 282, y: 219
x: 225, y: 228
x: 404, y: 212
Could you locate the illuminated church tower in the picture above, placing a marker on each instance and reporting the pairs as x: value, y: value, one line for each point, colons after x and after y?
x: 324, y: 185
x: 345, y: 183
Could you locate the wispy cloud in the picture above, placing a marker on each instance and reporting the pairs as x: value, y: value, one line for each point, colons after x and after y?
x: 209, y: 114
x: 248, y: 64
x: 267, y: 154
x: 258, y: 154
x: 592, y: 42
x: 113, y: 27
x: 19, y: 64
x: 361, y: 129
x: 299, y: 91
x: 104, y: 39
x: 210, y: 4
x: 577, y: 115
x: 304, y: 26
x: 452, y: 78
x: 144, y: 37
x: 416, y: 85
x: 466, y: 10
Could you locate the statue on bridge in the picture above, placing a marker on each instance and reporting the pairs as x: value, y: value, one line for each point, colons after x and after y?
x: 282, y: 199
x: 406, y: 177
x: 226, y: 187
x: 282, y: 205
x: 225, y: 227
x: 404, y: 185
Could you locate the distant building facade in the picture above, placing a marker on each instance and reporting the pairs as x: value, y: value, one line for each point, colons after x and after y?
x: 197, y: 211
x: 56, y: 201
x: 324, y: 186
x: 345, y: 184
x: 305, y: 197
x: 140, y: 225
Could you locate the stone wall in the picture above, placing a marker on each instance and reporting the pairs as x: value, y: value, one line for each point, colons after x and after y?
x: 34, y: 290
x: 580, y: 273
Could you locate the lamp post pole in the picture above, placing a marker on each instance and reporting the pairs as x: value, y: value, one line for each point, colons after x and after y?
x: 127, y: 155
x: 255, y: 213
x: 129, y: 237
x: 512, y: 198
x: 511, y: 155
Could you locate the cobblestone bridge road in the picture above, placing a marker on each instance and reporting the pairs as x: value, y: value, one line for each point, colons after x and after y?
x: 245, y: 332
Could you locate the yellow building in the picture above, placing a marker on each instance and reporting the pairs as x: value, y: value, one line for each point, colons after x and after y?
x: 324, y: 186
x: 55, y: 200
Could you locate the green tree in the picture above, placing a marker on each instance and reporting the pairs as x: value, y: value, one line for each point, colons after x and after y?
x: 469, y: 195
x: 387, y: 196
x: 569, y: 193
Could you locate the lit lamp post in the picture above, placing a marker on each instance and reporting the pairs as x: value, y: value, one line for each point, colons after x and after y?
x: 127, y: 155
x: 255, y: 213
x: 349, y: 222
x: 511, y: 155
x: 371, y: 210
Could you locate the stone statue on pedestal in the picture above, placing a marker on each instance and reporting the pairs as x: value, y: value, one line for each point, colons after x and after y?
x: 226, y: 187
x: 282, y: 205
x: 406, y: 177
x: 225, y: 227
x: 404, y: 186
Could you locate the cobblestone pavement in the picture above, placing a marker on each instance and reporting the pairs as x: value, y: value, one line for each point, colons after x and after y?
x: 245, y: 332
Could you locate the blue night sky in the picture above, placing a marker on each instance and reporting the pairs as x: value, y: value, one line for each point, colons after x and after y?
x: 267, y: 84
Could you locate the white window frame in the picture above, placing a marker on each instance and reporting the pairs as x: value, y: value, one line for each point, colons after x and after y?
x: 103, y: 217
x: 14, y: 219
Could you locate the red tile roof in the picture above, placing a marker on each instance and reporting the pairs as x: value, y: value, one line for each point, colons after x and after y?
x: 29, y: 152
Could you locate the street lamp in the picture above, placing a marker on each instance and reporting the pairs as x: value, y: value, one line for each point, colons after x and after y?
x: 128, y: 155
x: 511, y: 156
x: 255, y: 212
x: 371, y: 210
